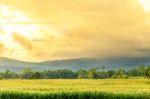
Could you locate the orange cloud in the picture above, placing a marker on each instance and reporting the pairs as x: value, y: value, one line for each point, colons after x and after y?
x: 84, y: 28
x: 22, y: 41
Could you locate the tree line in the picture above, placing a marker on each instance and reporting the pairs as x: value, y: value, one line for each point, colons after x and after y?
x: 28, y: 73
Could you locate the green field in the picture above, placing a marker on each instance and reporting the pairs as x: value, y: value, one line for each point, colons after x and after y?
x: 75, y: 89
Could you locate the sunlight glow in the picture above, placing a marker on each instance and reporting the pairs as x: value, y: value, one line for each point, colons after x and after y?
x: 5, y: 13
x: 10, y: 20
x: 145, y: 4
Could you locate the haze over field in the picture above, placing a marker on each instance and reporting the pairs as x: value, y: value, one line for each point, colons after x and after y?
x: 38, y: 30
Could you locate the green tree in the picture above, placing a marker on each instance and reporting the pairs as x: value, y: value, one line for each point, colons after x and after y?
x: 137, y: 72
x: 1, y: 76
x: 147, y: 73
x: 26, y: 73
x: 133, y: 72
x: 9, y: 75
x: 120, y: 74
x: 81, y: 74
x: 92, y: 74
x: 141, y: 70
x: 36, y: 75
x: 110, y: 73
x: 102, y: 74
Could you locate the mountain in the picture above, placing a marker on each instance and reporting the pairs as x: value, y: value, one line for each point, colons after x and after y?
x: 74, y: 64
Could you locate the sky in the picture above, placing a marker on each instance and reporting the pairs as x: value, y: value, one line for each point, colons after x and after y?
x: 38, y: 30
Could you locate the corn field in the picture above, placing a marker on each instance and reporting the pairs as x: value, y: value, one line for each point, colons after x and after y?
x: 75, y: 89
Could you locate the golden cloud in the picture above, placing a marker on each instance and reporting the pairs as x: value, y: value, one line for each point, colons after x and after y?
x: 22, y: 41
x: 2, y: 48
x: 86, y: 28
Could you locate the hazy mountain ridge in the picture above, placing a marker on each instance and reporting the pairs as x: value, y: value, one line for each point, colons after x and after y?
x: 73, y: 64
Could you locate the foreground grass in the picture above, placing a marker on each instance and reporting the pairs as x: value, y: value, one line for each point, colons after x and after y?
x: 75, y: 89
x: 71, y: 95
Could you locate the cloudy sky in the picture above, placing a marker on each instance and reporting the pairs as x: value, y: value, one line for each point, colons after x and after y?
x: 38, y: 30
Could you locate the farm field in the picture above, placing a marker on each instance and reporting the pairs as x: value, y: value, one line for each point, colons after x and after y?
x: 74, y: 89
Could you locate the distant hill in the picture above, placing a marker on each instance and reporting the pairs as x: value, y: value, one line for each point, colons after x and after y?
x: 73, y: 64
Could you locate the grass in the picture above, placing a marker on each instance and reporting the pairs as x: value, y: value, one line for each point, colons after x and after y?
x: 75, y: 89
